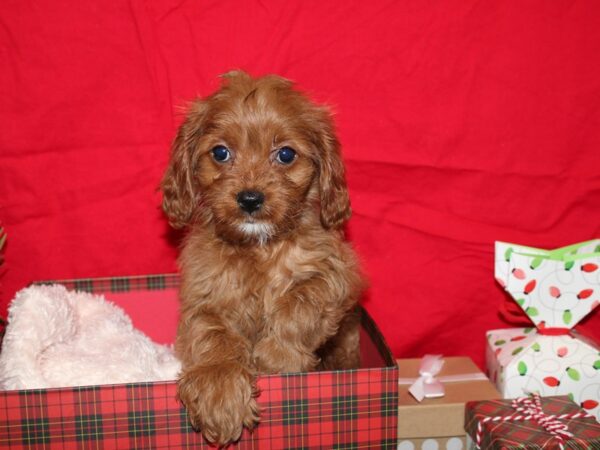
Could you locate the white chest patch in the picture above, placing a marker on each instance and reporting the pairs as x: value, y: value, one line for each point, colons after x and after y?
x: 261, y: 230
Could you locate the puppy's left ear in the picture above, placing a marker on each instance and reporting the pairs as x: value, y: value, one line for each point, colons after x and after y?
x: 333, y: 192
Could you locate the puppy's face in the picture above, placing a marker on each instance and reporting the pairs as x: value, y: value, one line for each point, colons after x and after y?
x: 255, y: 163
x: 252, y: 160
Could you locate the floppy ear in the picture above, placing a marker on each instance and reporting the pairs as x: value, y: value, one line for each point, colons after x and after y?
x: 178, y: 184
x: 335, y: 203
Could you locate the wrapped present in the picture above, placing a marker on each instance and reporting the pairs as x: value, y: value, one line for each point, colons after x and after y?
x: 432, y: 396
x: 330, y: 409
x: 532, y: 422
x: 556, y: 289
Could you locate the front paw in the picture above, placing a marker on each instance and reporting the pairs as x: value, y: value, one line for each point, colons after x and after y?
x: 273, y: 356
x: 220, y: 400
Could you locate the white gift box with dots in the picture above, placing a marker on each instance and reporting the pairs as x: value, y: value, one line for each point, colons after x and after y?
x: 556, y: 289
x: 453, y: 443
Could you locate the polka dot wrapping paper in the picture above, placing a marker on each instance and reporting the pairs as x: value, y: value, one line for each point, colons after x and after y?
x: 556, y: 289
x: 453, y: 443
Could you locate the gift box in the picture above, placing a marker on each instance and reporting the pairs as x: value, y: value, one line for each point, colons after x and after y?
x: 556, y: 289
x: 438, y: 422
x: 530, y: 423
x: 333, y: 409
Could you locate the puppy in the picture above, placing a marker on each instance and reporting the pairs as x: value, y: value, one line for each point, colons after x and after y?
x: 268, y: 283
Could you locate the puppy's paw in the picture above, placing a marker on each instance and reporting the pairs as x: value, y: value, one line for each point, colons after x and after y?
x: 220, y: 401
x: 273, y: 356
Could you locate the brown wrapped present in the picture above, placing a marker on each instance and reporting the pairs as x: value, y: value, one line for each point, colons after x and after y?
x: 438, y: 420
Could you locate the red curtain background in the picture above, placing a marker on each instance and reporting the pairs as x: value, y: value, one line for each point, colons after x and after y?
x: 462, y: 123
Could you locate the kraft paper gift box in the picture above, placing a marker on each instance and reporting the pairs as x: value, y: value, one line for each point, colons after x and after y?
x: 438, y: 423
x: 556, y: 289
x: 530, y: 423
x: 335, y: 409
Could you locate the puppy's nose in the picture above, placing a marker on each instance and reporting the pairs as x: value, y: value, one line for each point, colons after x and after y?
x: 250, y: 201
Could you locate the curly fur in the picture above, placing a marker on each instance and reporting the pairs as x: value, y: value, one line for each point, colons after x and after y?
x: 268, y: 292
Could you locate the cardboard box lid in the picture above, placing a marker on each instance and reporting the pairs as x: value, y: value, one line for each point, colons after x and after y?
x: 439, y: 417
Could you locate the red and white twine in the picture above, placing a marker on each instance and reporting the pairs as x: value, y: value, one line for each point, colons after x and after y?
x: 530, y: 408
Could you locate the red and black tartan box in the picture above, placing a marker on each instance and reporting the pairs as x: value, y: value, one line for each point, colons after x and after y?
x: 530, y: 423
x: 336, y: 409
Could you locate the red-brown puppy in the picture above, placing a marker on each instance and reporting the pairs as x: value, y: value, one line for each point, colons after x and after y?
x: 268, y: 283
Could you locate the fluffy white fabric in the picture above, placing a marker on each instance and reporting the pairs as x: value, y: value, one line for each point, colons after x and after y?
x: 58, y: 338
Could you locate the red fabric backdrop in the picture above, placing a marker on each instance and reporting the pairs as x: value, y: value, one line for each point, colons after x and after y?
x: 462, y: 122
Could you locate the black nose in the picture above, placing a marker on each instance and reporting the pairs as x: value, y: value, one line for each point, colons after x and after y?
x: 250, y: 201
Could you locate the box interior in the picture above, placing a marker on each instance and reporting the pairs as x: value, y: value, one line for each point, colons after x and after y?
x: 152, y: 303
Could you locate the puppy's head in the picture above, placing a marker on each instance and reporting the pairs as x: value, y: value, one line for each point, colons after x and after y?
x: 253, y: 160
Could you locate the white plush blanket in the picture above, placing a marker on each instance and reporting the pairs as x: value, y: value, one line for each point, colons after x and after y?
x: 58, y: 338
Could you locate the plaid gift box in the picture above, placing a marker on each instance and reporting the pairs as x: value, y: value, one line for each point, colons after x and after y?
x: 531, y: 423
x: 336, y: 409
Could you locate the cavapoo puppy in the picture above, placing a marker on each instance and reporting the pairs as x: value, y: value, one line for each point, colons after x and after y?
x: 268, y: 283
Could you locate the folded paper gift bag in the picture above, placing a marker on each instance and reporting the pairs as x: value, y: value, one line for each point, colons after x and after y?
x: 556, y: 289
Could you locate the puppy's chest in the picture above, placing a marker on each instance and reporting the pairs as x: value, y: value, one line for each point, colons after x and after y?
x: 262, y: 283
x: 257, y: 284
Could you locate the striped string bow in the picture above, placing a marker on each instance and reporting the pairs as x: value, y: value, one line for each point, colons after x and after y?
x: 530, y: 408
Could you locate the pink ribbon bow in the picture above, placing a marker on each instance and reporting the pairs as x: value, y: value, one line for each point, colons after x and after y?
x: 430, y: 384
x: 427, y: 385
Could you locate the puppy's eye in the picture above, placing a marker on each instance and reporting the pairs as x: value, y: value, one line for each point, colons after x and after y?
x: 221, y: 154
x: 286, y: 155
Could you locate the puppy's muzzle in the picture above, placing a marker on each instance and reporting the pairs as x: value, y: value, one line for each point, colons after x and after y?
x: 250, y: 201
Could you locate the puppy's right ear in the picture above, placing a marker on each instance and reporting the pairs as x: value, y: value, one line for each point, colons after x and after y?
x: 178, y: 184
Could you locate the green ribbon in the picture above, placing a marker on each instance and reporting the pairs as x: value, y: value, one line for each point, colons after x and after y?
x: 563, y: 254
